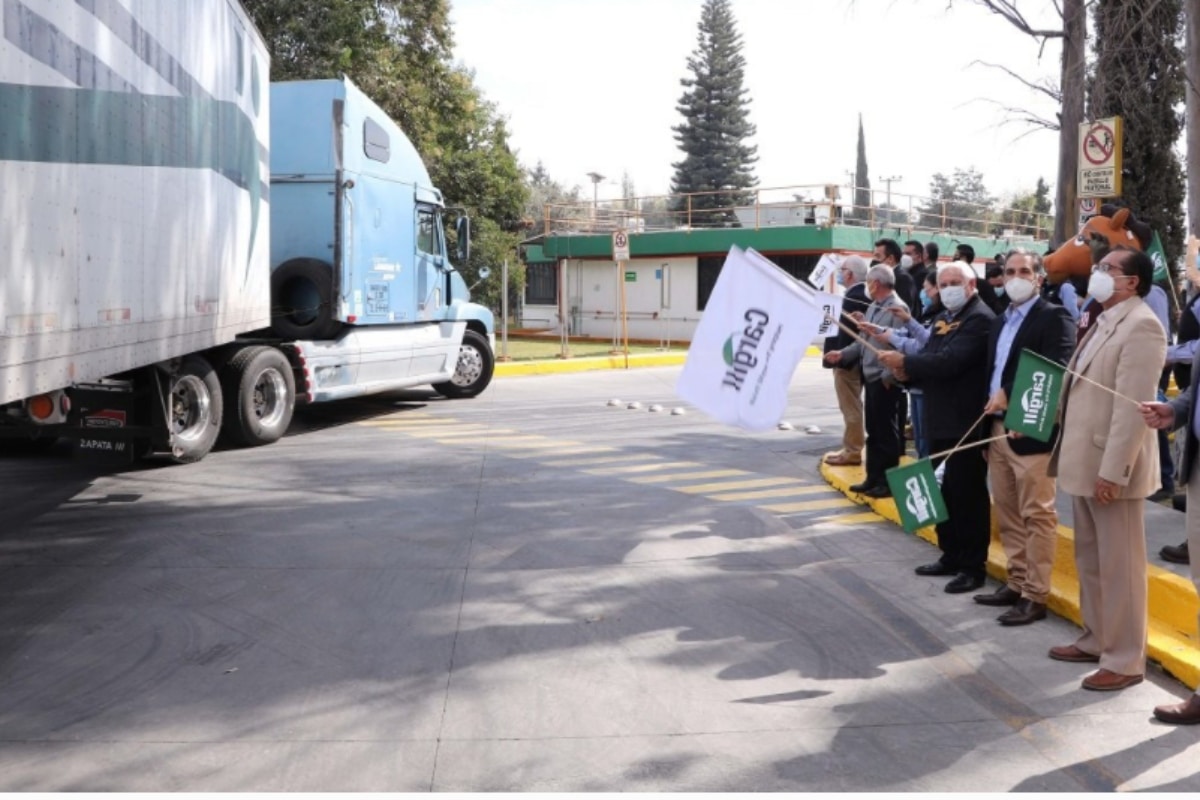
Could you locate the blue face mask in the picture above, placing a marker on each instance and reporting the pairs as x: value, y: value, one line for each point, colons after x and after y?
x: 840, y: 278
x: 926, y: 300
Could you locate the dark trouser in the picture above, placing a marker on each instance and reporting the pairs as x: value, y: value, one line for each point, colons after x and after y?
x: 881, y: 417
x: 964, y: 537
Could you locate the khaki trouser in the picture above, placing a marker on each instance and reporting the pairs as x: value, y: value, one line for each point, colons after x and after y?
x: 849, y: 387
x: 1023, y: 497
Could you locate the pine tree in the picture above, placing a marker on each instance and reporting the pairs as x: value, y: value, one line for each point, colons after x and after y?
x: 1139, y: 76
x: 716, y: 126
x: 862, y: 178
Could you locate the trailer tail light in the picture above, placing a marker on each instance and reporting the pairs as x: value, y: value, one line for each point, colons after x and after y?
x: 48, y: 409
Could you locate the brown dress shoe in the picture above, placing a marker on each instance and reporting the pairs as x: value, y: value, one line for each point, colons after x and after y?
x: 1023, y: 613
x: 1070, y: 652
x: 1105, y: 680
x: 1004, y: 596
x: 1185, y: 713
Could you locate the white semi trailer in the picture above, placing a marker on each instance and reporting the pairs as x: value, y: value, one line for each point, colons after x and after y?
x: 172, y: 267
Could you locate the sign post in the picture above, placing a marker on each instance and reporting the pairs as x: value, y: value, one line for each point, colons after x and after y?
x: 620, y: 247
x: 1100, y: 145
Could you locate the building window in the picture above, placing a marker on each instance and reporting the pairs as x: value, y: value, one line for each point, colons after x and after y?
x: 708, y: 268
x: 541, y: 284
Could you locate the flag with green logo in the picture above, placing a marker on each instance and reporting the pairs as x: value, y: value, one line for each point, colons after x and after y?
x: 918, y: 496
x: 1159, y: 257
x: 1033, y: 407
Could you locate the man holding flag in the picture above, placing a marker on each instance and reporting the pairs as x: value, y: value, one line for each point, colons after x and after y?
x: 1108, y: 461
x: 952, y: 371
x: 1022, y: 493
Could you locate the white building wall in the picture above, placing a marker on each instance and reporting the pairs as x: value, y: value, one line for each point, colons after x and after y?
x: 660, y: 303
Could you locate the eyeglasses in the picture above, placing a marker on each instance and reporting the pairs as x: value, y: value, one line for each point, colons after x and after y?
x: 1104, y: 266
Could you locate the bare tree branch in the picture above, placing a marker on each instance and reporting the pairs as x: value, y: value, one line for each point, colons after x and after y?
x: 1009, y: 11
x: 1050, y: 90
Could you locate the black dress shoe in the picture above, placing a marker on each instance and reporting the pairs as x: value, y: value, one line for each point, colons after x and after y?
x: 1004, y: 596
x: 1023, y: 613
x: 936, y: 569
x: 1176, y: 554
x: 964, y: 582
x: 1179, y: 502
x: 862, y: 487
x: 877, y: 492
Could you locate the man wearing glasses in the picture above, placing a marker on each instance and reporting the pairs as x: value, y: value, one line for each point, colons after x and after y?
x: 1107, y: 460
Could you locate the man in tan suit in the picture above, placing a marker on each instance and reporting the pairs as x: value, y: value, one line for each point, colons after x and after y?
x: 1107, y: 460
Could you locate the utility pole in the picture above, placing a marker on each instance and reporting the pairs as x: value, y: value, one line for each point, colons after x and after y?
x: 889, y: 182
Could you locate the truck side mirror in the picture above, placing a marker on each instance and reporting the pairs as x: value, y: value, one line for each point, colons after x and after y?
x: 462, y: 229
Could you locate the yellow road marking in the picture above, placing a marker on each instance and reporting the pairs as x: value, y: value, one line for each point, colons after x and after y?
x: 462, y: 432
x: 763, y: 494
x: 809, y: 505
x: 407, y: 422
x: 754, y: 483
x: 587, y: 462
x: 582, y: 450
x: 629, y: 470
x: 691, y: 476
x: 852, y: 519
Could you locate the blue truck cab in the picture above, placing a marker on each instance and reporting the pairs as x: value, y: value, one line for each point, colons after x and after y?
x: 361, y: 277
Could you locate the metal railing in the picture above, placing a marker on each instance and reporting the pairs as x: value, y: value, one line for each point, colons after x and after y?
x: 791, y: 206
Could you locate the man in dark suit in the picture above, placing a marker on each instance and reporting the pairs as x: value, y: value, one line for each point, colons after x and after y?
x: 952, y: 372
x: 1184, y: 412
x: 1022, y: 493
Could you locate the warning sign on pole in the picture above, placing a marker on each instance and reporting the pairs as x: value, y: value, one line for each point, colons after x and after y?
x: 620, y: 246
x: 1088, y: 207
x: 1100, y: 158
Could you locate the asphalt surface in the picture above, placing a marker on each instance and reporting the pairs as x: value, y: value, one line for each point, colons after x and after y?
x: 530, y: 591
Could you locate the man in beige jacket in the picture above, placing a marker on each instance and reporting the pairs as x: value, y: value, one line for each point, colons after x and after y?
x: 1107, y: 460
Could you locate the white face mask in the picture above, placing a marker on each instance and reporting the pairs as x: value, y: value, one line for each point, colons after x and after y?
x: 1101, y: 286
x: 906, y: 261
x: 1019, y: 290
x: 953, y: 297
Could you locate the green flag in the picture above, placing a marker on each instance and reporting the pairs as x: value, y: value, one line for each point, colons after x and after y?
x: 1159, y: 257
x: 918, y: 496
x: 1033, y: 407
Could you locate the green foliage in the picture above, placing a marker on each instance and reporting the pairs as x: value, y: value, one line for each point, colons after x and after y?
x: 862, y: 178
x: 400, y: 53
x: 565, y: 204
x: 490, y: 247
x: 715, y: 108
x: 1028, y: 213
x: 960, y: 203
x: 1139, y: 75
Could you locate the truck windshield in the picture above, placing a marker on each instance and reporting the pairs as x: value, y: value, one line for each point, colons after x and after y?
x: 429, y: 233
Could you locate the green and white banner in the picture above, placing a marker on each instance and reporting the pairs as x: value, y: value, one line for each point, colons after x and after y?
x: 1033, y: 407
x: 918, y: 496
x: 1159, y: 257
x: 756, y: 327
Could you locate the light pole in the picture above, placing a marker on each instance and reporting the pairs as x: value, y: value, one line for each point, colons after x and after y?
x: 889, y: 182
x: 596, y: 178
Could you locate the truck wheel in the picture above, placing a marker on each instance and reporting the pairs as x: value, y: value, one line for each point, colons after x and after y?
x: 302, y: 300
x: 260, y: 392
x: 194, y: 407
x: 474, y: 371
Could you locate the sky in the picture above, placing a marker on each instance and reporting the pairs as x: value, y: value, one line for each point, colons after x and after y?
x: 592, y: 86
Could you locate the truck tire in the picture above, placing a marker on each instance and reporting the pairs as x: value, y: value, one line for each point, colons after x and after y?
x: 260, y: 394
x: 476, y: 363
x: 194, y: 408
x: 302, y: 300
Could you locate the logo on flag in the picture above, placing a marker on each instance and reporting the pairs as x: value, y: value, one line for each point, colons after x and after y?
x: 1037, y: 389
x: 831, y: 306
x: 757, y: 325
x: 918, y: 495
x: 1159, y: 257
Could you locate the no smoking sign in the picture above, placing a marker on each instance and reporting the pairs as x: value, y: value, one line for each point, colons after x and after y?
x: 1100, y: 158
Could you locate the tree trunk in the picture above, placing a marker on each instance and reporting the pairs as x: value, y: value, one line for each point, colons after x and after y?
x: 1073, y: 86
x: 1192, y: 57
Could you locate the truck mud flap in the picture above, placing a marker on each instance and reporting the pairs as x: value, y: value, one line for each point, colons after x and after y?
x: 103, y: 429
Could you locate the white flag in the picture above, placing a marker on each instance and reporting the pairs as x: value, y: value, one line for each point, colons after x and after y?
x: 823, y: 272
x: 831, y: 306
x: 757, y: 326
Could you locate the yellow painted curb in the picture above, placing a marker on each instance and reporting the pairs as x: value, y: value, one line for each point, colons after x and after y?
x: 1173, y: 604
x: 506, y: 369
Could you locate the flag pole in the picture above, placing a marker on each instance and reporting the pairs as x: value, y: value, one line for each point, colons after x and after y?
x: 1102, y: 386
x: 954, y: 450
x: 857, y: 338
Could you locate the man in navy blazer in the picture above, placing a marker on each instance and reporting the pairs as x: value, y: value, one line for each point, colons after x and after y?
x: 1022, y: 493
